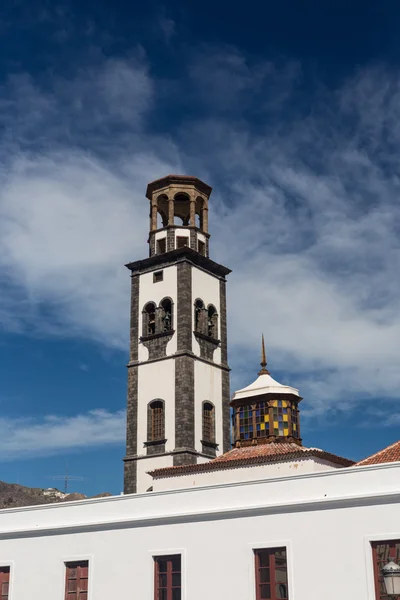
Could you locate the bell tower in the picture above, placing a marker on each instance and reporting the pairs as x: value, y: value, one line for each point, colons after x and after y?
x: 178, y: 374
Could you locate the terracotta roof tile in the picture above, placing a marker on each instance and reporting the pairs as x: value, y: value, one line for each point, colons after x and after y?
x: 252, y: 455
x: 389, y: 454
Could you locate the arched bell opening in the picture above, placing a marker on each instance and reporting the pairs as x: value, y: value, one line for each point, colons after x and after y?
x: 182, y: 209
x: 159, y: 212
x: 149, y: 319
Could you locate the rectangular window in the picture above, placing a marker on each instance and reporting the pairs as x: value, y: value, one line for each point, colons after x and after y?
x: 246, y: 422
x: 161, y: 245
x: 167, y: 577
x: 201, y: 248
x: 271, y: 574
x: 262, y: 420
x: 384, y: 552
x: 157, y: 420
x: 181, y: 241
x: 4, y: 582
x: 208, y: 422
x: 158, y: 276
x: 76, y: 580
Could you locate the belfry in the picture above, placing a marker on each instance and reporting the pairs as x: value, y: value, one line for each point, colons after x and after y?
x: 178, y: 374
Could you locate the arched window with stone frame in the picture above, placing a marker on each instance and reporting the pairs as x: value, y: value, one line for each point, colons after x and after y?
x: 166, y: 308
x: 208, y: 422
x: 212, y: 322
x: 200, y: 320
x: 149, y: 319
x: 156, y: 421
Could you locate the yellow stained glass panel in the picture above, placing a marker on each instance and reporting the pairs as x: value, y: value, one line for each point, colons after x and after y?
x: 294, y: 427
x: 266, y: 418
x: 284, y: 404
x: 285, y: 417
x: 276, y: 424
x: 262, y: 425
x: 275, y: 403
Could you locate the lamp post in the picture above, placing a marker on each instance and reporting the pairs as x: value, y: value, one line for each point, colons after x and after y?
x: 391, y: 577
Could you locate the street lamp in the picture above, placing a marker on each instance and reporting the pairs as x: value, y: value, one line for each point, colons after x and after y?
x: 391, y: 577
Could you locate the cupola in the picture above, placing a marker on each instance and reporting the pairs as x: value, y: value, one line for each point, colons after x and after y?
x: 265, y: 411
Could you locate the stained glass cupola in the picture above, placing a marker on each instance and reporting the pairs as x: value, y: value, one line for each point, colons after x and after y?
x: 265, y: 411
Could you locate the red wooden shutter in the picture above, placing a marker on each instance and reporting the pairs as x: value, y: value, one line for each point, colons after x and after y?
x: 76, y: 582
x: 4, y: 582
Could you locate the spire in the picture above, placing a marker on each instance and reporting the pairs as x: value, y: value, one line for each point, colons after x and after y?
x: 263, y: 363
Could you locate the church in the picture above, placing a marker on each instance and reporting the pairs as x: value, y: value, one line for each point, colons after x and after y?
x: 221, y: 498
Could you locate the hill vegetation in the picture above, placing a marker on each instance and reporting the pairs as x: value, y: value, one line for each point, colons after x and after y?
x: 12, y: 495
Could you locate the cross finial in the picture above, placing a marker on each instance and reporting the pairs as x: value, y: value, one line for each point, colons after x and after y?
x: 264, y: 370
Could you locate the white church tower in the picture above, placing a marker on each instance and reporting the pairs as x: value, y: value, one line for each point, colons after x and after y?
x: 178, y: 376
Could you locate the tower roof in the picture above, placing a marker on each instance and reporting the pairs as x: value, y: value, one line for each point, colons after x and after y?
x: 171, y: 179
x: 264, y: 384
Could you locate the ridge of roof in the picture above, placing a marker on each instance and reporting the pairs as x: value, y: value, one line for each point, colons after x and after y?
x: 252, y: 455
x: 389, y: 454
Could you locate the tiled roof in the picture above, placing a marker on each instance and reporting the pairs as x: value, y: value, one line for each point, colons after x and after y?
x: 389, y: 454
x: 253, y: 455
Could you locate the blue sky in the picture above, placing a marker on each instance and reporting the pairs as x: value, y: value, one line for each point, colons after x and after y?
x: 291, y: 112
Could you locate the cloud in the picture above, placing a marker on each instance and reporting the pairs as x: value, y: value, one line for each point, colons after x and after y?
x: 304, y: 209
x: 71, y: 218
x: 30, y: 438
x: 167, y: 27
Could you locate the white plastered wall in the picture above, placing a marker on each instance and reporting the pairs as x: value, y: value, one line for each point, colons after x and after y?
x: 145, y: 481
x: 206, y: 287
x: 155, y: 380
x: 201, y: 237
x: 155, y: 292
x: 249, y: 473
x: 326, y: 521
x: 160, y: 235
x: 182, y: 233
x: 208, y: 387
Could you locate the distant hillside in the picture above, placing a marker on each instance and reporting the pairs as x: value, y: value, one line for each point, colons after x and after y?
x: 12, y: 494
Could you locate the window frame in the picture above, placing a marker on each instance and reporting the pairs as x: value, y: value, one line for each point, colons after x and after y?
x: 161, y: 245
x: 271, y: 549
x: 151, y: 432
x: 78, y: 564
x: 179, y: 241
x: 146, y: 319
x: 158, y: 276
x: 208, y: 423
x: 161, y: 307
x: 156, y: 572
x: 377, y: 578
x: 5, y: 577
x: 213, y: 317
x: 201, y: 247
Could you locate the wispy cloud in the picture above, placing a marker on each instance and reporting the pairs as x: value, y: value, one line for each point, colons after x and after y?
x: 305, y: 209
x: 30, y: 438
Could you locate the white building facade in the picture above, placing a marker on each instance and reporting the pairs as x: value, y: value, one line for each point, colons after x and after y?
x: 324, y: 524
